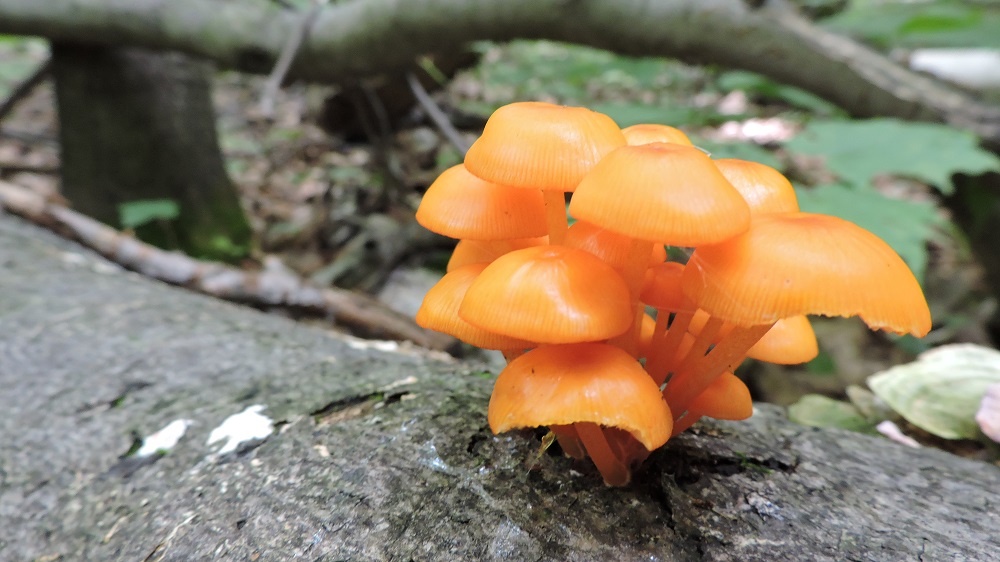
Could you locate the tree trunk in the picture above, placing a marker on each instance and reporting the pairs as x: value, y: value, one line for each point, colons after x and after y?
x: 381, y: 452
x: 139, y: 125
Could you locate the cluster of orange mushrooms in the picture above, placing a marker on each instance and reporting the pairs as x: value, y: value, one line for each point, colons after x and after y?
x: 567, y: 304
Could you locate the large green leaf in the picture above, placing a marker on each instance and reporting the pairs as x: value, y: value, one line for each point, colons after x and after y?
x: 904, y: 225
x: 857, y: 151
x: 942, y: 390
x: 820, y: 411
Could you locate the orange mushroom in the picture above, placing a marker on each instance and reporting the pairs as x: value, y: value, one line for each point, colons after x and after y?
x: 764, y: 188
x: 791, y: 264
x: 543, y: 146
x: 549, y: 294
x: 659, y: 193
x: 646, y: 133
x: 485, y: 251
x: 588, y: 385
x: 460, y: 205
x: 439, y: 311
x: 611, y: 247
x: 727, y: 398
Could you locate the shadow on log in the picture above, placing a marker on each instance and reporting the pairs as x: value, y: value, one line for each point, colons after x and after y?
x: 381, y: 452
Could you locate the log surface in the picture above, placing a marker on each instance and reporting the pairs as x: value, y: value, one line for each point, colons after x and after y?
x: 382, y: 452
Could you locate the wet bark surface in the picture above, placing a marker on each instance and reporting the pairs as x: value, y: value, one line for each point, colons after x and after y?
x: 381, y: 452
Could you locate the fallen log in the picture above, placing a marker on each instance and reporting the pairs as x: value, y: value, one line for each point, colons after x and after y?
x: 357, y: 450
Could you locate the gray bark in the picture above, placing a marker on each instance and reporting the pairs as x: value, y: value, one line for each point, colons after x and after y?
x: 360, y: 38
x: 384, y: 454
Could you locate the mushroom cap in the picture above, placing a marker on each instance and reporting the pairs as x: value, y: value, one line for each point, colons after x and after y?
x: 646, y: 133
x: 542, y: 146
x: 439, y: 312
x: 485, y: 251
x: 584, y: 382
x: 789, y: 342
x: 764, y: 188
x: 727, y: 398
x: 611, y: 247
x: 460, y: 205
x: 549, y: 294
x: 790, y: 264
x: 661, y: 192
x: 661, y: 288
x: 646, y: 330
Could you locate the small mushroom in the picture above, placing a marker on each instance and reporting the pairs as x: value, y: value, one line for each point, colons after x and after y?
x: 538, y: 145
x: 589, y: 386
x: 460, y: 205
x: 549, y: 294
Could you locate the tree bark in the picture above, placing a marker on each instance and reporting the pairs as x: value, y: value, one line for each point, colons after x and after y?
x: 139, y: 125
x: 360, y: 38
x: 382, y: 452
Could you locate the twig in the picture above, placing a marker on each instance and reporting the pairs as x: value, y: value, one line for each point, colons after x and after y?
x: 437, y: 116
x: 13, y: 167
x: 274, y: 287
x: 27, y: 137
x: 286, y: 58
x: 26, y: 86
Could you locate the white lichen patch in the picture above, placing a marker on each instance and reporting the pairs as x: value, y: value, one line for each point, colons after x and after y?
x: 163, y: 440
x: 387, y: 346
x: 248, y: 425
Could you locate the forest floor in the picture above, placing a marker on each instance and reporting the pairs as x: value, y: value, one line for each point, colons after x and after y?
x: 312, y: 194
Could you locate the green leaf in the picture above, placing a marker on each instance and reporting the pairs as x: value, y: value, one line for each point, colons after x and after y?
x: 941, y: 391
x: 904, y: 225
x: 819, y: 411
x: 137, y: 213
x: 760, y: 86
x: 857, y: 151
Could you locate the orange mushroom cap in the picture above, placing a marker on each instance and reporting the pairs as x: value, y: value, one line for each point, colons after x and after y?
x: 646, y: 133
x: 485, y: 251
x: 789, y: 342
x: 611, y: 247
x: 460, y: 205
x: 661, y: 288
x: 584, y: 382
x: 661, y: 192
x: 439, y: 311
x: 764, y: 188
x: 727, y: 398
x: 646, y: 335
x: 542, y: 146
x: 549, y: 294
x: 791, y: 264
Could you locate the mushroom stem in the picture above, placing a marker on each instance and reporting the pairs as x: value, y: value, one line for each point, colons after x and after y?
x: 569, y: 440
x: 702, y: 342
x: 685, y: 421
x: 633, y: 271
x: 664, y: 350
x: 688, y: 383
x: 614, y: 472
x: 555, y: 215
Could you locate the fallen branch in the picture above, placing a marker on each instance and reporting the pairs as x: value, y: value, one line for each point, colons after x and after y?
x: 272, y: 287
x: 361, y: 38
